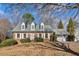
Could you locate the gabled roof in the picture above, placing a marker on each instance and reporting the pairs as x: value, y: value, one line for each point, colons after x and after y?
x: 37, y: 28
x: 47, y: 28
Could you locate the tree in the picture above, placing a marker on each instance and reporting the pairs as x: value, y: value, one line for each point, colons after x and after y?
x: 60, y: 25
x: 4, y: 28
x: 53, y: 37
x: 28, y: 18
x: 70, y: 26
x: 70, y: 37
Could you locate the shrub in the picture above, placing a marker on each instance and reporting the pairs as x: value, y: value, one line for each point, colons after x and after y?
x: 53, y: 37
x: 38, y: 39
x: 70, y: 38
x: 8, y: 42
x: 25, y: 40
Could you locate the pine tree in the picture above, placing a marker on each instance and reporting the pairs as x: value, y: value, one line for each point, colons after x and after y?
x: 28, y: 18
x: 60, y: 25
x: 70, y: 27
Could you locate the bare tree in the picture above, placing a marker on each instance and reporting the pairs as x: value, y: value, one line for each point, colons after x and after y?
x: 4, y: 28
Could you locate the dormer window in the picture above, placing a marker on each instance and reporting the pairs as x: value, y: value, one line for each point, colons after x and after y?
x: 32, y: 26
x: 23, y: 26
x: 42, y: 26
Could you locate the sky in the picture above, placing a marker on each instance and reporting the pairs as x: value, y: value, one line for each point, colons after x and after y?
x: 7, y: 11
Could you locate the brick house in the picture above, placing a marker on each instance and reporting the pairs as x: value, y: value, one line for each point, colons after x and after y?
x: 22, y: 31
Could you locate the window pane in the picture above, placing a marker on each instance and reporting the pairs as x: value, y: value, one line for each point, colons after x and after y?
x: 18, y: 35
x: 22, y: 26
x: 39, y: 35
x: 32, y: 27
x: 24, y: 35
x: 41, y: 27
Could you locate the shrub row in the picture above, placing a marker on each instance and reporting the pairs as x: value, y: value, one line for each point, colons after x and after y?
x: 38, y: 39
x: 10, y: 42
x: 25, y: 40
x: 53, y: 38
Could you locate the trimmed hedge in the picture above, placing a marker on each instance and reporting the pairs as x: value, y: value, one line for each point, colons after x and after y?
x: 25, y: 40
x: 38, y: 39
x: 8, y: 42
